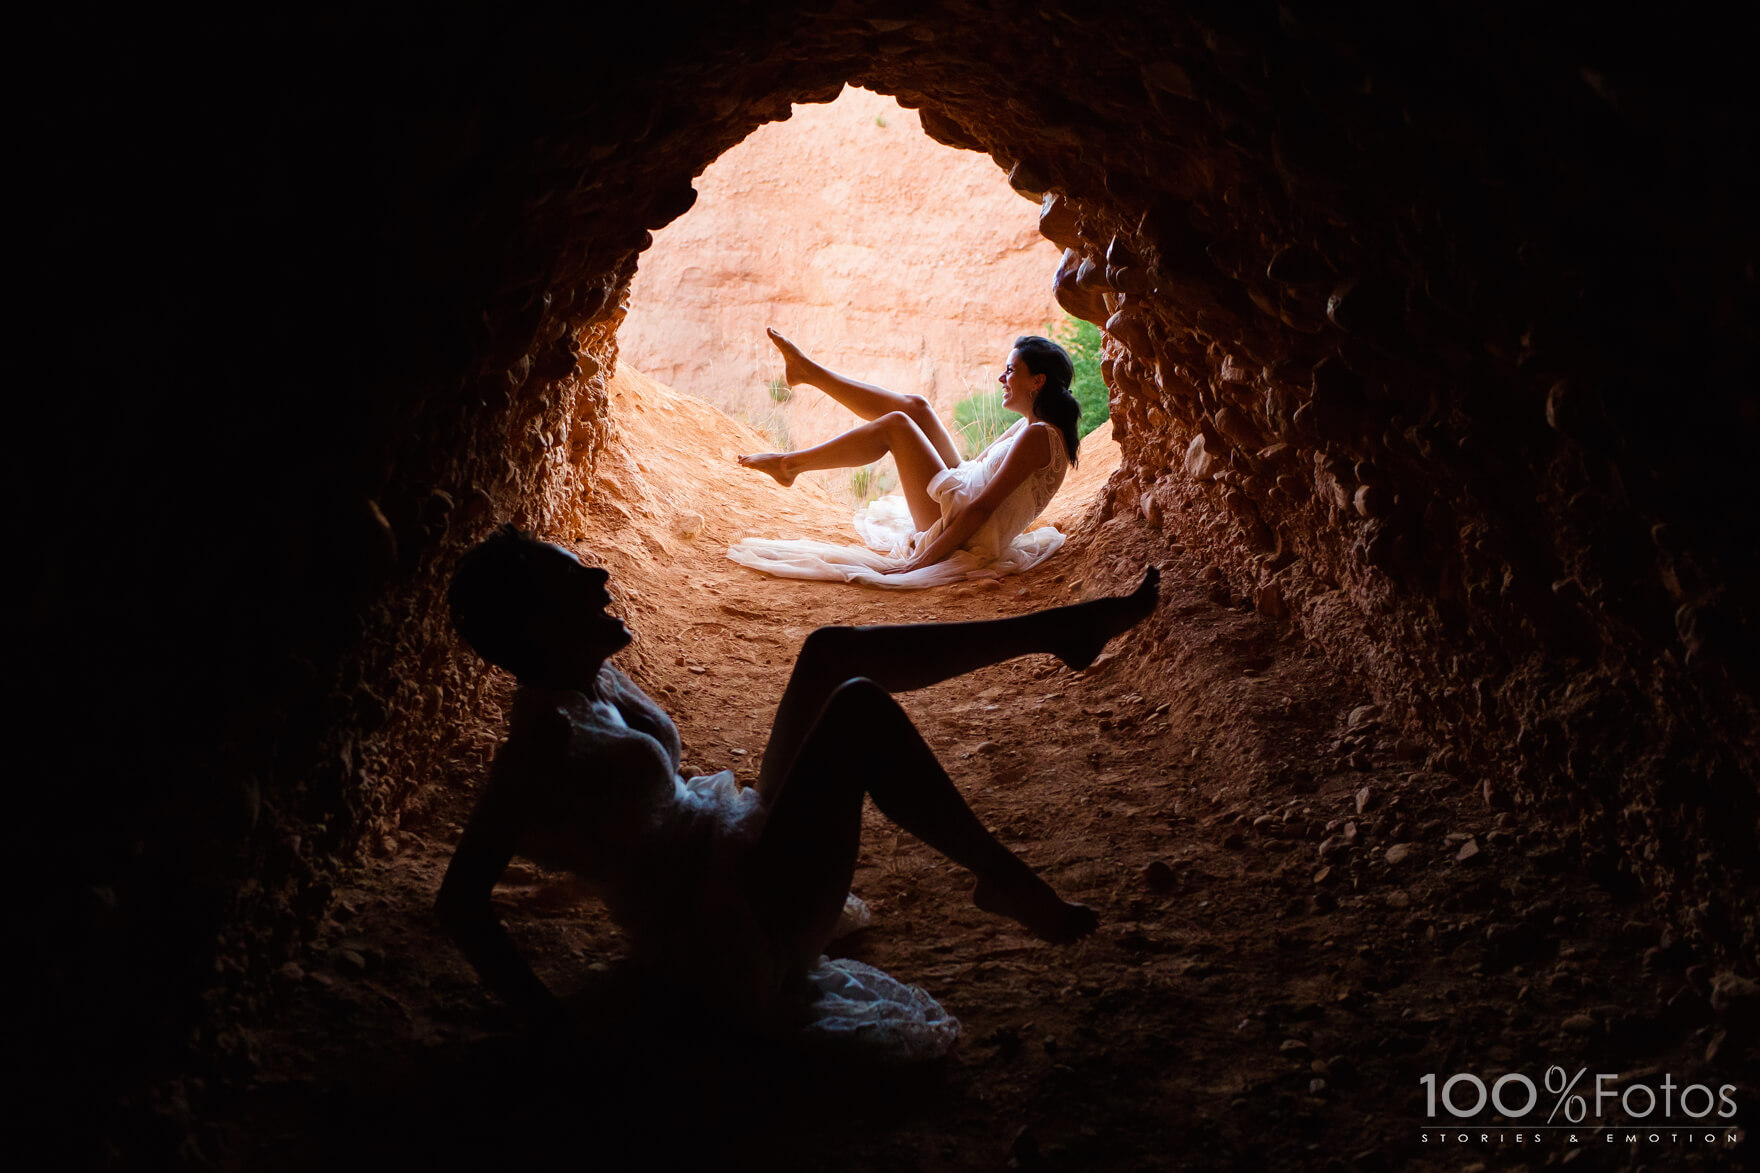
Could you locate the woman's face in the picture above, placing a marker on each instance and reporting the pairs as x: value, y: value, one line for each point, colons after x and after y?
x: 1019, y: 385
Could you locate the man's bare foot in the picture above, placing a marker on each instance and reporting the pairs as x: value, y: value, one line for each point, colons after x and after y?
x: 769, y: 462
x: 1030, y: 901
x: 1090, y: 625
x: 797, y: 368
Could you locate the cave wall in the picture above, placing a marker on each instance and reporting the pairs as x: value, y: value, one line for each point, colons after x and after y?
x: 1433, y: 330
x: 1429, y: 318
x: 838, y: 228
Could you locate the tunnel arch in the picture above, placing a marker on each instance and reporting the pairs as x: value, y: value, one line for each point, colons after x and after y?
x: 1314, y: 350
x: 1435, y: 329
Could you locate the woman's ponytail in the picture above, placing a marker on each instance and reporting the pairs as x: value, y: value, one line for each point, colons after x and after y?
x: 1055, y: 403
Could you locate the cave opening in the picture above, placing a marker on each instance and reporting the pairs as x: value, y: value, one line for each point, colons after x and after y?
x: 1432, y: 333
x: 898, y: 260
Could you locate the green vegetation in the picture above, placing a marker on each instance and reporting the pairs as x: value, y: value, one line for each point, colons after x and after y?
x: 868, y: 482
x: 773, y: 424
x: 1082, y: 340
x: 880, y: 121
x: 978, y: 419
x: 772, y: 421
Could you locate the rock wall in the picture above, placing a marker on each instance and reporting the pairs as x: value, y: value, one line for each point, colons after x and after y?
x: 885, y: 254
x: 1433, y: 328
x: 1369, y: 356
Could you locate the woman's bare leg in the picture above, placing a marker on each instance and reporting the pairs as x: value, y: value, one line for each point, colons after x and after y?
x: 902, y: 657
x: 803, y: 863
x: 893, y: 432
x: 865, y: 399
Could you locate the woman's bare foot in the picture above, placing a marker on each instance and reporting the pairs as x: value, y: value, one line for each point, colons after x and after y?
x: 797, y: 368
x: 1090, y: 625
x: 769, y: 462
x: 1030, y: 901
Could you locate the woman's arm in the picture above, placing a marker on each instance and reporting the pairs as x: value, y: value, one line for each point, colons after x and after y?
x: 1031, y: 452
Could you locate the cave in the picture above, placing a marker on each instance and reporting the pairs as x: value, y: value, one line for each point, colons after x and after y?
x: 1431, y: 340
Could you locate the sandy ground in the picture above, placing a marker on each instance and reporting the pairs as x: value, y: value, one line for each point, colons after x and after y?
x: 1299, y: 920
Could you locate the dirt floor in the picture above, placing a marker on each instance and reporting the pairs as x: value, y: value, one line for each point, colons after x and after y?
x: 1299, y: 919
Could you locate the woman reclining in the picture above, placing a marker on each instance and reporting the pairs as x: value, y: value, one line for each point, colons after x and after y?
x: 966, y: 517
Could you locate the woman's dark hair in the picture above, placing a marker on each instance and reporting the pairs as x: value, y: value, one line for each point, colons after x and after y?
x: 494, y: 586
x: 1054, y: 404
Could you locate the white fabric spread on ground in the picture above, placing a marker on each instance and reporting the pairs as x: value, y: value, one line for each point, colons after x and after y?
x: 891, y: 537
x: 886, y: 528
x: 865, y: 1008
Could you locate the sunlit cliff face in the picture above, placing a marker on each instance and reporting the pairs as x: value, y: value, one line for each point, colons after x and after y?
x: 1436, y: 335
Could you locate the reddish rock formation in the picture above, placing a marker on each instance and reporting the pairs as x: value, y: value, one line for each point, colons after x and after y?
x: 885, y: 254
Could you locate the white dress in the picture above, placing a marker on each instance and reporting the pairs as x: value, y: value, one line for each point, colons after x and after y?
x: 999, y: 547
